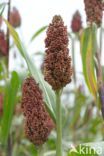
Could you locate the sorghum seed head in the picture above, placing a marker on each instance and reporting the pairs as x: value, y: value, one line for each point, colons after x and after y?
x: 38, y: 123
x: 76, y: 24
x: 3, y: 43
x: 94, y: 11
x: 15, y: 18
x: 56, y: 34
x: 57, y: 62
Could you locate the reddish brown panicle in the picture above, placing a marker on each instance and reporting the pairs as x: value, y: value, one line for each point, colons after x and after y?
x: 38, y: 123
x: 94, y: 11
x: 57, y: 62
x: 15, y: 18
x: 76, y: 24
x: 3, y: 43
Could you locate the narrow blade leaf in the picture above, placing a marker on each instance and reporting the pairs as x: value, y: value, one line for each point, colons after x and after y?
x: 87, y: 53
x: 37, y: 33
x: 9, y: 105
x: 49, y: 96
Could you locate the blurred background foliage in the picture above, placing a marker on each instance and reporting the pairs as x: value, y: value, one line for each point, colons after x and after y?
x: 82, y: 120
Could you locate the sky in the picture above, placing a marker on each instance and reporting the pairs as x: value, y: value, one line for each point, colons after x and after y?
x: 36, y: 14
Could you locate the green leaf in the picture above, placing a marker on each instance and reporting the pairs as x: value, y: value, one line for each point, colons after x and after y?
x: 2, y: 7
x: 37, y: 33
x: 9, y: 104
x: 80, y: 100
x: 49, y: 95
x: 88, y: 45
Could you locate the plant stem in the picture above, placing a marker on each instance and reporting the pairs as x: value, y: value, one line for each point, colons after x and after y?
x: 101, y: 37
x: 40, y: 151
x: 9, y: 143
x: 73, y: 59
x: 9, y: 146
x: 59, y: 124
x: 8, y: 33
x: 100, y: 74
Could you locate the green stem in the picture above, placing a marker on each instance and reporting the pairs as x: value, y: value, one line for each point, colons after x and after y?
x: 8, y: 34
x: 59, y: 124
x: 40, y: 151
x: 73, y: 59
x: 101, y: 37
x: 9, y: 143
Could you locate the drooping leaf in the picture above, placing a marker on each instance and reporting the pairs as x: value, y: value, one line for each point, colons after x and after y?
x: 49, y: 96
x: 88, y: 49
x: 37, y: 33
x: 9, y: 105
